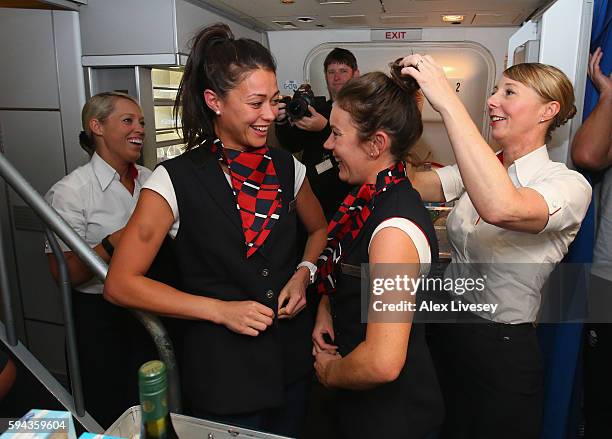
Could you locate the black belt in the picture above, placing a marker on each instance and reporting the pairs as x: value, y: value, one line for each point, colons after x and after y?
x: 351, y: 270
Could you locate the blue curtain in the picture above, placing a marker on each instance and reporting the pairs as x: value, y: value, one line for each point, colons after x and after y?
x: 561, y: 344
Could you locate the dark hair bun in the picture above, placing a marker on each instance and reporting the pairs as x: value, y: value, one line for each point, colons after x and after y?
x: 405, y: 82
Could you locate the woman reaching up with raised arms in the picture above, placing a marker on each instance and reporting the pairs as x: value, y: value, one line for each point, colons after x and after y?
x: 516, y: 207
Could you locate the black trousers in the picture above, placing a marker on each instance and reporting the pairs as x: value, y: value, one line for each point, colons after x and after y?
x: 111, y: 345
x: 491, y: 377
x: 287, y: 420
x: 597, y: 377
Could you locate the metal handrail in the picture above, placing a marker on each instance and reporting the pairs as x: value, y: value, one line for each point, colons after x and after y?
x: 98, y: 267
x: 11, y: 333
x: 71, y: 344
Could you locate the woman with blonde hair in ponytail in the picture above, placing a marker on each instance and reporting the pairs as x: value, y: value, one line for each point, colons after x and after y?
x: 96, y: 200
x: 514, y: 217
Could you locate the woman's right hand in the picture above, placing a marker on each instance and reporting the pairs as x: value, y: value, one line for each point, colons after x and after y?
x: 431, y: 79
x: 281, y: 116
x: 323, y: 326
x: 245, y: 317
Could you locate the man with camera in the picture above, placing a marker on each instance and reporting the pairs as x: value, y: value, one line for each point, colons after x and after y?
x: 302, y: 125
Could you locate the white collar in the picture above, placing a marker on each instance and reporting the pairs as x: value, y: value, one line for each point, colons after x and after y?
x: 104, y: 172
x: 525, y: 168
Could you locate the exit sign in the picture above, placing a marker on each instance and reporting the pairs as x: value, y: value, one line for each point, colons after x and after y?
x: 396, y: 34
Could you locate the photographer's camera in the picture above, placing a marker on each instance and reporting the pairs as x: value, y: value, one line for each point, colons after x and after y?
x: 297, y: 106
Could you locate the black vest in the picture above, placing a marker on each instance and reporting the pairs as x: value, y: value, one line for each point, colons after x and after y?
x: 223, y: 372
x: 411, y: 406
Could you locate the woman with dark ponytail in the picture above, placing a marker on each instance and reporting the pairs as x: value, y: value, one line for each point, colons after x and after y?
x: 514, y: 216
x: 230, y: 205
x: 96, y: 200
x: 381, y: 368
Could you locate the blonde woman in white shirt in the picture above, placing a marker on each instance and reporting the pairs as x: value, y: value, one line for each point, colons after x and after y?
x: 96, y: 200
x: 516, y: 207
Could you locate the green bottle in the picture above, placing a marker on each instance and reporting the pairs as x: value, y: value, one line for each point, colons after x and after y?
x: 153, y: 387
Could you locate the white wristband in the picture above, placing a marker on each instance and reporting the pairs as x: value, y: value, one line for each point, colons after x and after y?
x: 312, y: 268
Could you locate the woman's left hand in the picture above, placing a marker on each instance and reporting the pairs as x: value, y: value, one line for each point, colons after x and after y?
x: 602, y: 83
x: 431, y: 79
x: 294, y: 294
x: 322, y: 365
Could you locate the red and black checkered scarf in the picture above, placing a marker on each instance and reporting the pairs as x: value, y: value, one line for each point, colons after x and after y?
x: 348, y: 222
x: 256, y: 189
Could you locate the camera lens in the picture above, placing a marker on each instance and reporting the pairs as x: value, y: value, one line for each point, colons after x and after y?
x: 297, y: 108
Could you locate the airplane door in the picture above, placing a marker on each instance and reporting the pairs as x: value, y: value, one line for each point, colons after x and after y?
x: 469, y: 67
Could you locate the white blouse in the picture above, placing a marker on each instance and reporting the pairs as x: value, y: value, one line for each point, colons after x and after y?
x: 92, y: 200
x: 514, y: 264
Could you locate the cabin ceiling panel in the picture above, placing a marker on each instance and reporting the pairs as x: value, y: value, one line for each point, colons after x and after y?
x: 468, y: 4
x: 267, y: 8
x: 378, y: 14
x: 403, y: 19
x: 494, y: 18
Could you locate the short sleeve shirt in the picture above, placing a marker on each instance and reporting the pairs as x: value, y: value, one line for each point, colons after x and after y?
x: 92, y: 200
x: 516, y: 264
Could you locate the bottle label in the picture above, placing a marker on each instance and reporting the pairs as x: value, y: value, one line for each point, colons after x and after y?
x: 154, y: 408
x: 156, y: 428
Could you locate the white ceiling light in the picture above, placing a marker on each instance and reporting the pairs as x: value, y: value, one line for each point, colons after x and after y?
x: 453, y: 18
